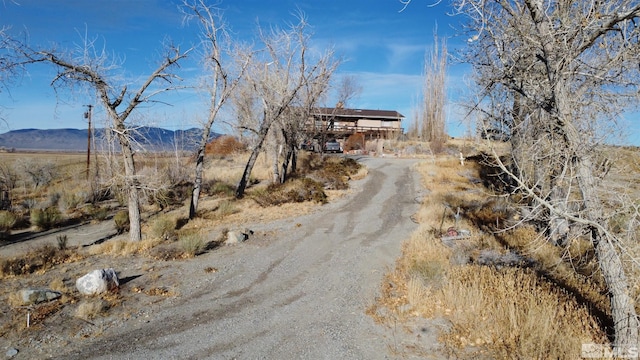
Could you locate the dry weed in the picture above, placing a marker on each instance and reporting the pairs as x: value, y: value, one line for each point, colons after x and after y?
x: 160, y: 291
x: 513, y: 314
x: 192, y: 245
x: 496, y: 313
x: 92, y: 308
x: 121, y: 247
x: 38, y: 260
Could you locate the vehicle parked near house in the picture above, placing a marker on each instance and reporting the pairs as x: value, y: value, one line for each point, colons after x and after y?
x: 332, y: 146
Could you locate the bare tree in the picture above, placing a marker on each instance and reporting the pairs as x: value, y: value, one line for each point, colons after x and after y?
x: 276, y: 78
x: 220, y: 82
x: 348, y: 89
x: 41, y: 173
x: 10, y: 65
x: 292, y: 123
x: 89, y: 67
x: 434, y: 94
x: 563, y: 70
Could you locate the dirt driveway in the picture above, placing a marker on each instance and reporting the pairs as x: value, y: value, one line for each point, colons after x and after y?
x: 298, y: 289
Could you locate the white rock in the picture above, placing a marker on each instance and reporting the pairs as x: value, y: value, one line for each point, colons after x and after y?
x: 98, y: 282
x: 234, y: 237
x: 12, y: 352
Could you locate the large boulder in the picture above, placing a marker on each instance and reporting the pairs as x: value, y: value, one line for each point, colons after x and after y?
x: 98, y: 282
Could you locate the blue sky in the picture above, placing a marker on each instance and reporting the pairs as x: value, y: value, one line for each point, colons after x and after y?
x: 383, y: 48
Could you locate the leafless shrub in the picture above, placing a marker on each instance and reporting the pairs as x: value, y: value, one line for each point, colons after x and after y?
x: 224, y: 145
x: 40, y: 173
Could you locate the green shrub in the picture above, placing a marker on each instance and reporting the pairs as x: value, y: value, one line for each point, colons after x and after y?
x: 121, y: 219
x: 7, y: 221
x: 164, y: 228
x: 219, y: 188
x: 62, y: 242
x: 45, y: 219
x: 99, y: 213
x: 192, y: 244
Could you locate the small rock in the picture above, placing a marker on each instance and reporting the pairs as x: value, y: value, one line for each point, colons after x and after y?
x: 12, y: 352
x: 36, y: 296
x: 97, y: 282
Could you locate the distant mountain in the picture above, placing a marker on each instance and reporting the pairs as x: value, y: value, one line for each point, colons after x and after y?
x: 145, y: 139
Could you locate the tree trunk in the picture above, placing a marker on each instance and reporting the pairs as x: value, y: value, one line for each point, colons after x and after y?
x: 622, y: 305
x: 135, y: 231
x: 275, y: 166
x: 294, y: 159
x: 242, y: 185
x: 285, y: 166
x: 623, y: 310
x: 197, y: 182
x: 285, y: 162
x: 262, y: 134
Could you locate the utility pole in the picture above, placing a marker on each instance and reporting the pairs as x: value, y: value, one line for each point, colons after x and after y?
x: 87, y: 115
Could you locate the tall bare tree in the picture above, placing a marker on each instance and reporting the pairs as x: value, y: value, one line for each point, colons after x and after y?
x: 566, y: 69
x: 435, y: 94
x: 10, y: 65
x: 92, y: 68
x: 292, y: 123
x: 276, y: 78
x: 220, y: 82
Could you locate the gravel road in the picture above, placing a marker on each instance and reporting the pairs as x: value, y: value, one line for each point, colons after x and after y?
x: 298, y: 291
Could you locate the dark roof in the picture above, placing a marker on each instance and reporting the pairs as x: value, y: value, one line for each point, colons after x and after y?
x: 359, y: 113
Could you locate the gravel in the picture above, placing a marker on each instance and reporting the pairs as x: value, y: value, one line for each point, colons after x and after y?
x: 296, y: 289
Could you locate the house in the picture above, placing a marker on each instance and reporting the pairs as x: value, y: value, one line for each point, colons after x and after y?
x: 340, y: 123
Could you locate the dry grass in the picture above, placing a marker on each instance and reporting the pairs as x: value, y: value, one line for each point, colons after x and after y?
x: 91, y: 308
x: 38, y: 260
x: 192, y: 245
x: 511, y: 313
x: 122, y: 247
x: 229, y: 169
x: 540, y: 312
x: 62, y: 158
